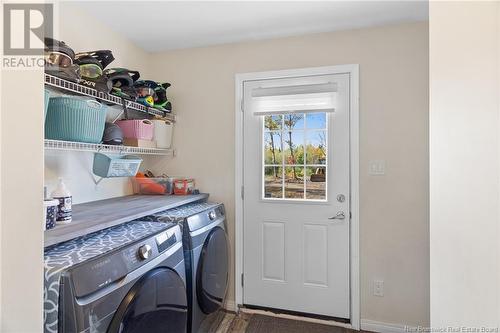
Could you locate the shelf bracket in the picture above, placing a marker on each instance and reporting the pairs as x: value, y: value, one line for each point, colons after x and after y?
x: 124, y: 104
x: 96, y: 180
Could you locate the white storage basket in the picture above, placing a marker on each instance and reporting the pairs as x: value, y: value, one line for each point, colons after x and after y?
x: 163, y: 133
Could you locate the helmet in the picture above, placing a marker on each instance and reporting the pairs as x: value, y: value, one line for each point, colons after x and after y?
x: 59, y: 59
x: 91, y: 66
x: 162, y: 100
x: 145, y: 90
x: 113, y: 134
x: 122, y: 81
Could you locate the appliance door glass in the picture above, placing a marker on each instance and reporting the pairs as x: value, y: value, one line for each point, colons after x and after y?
x: 212, y: 276
x: 156, y: 303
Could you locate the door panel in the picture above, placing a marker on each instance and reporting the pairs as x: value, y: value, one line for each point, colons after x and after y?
x: 273, y: 252
x: 295, y: 257
x: 315, y: 247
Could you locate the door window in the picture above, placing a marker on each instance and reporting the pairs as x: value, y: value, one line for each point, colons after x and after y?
x: 295, y: 156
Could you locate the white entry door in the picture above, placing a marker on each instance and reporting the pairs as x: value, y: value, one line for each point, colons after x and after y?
x: 296, y: 194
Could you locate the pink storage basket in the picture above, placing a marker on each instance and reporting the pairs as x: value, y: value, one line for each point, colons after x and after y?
x: 137, y: 129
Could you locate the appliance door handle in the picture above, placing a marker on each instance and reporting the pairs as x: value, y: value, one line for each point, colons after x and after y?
x: 339, y: 216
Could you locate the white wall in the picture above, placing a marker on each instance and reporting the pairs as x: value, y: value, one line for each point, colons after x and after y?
x: 21, y: 269
x: 394, y: 126
x: 83, y: 33
x: 464, y: 163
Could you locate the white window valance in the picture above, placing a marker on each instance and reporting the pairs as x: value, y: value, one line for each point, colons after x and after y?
x: 294, y: 99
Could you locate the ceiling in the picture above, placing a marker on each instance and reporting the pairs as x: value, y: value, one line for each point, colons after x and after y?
x: 166, y: 25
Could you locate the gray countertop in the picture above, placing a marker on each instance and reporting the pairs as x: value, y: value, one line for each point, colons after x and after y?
x: 98, y: 215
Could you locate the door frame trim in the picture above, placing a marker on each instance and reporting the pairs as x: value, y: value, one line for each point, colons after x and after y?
x: 353, y: 71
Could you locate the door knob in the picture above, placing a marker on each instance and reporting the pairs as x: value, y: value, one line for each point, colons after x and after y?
x: 339, y: 216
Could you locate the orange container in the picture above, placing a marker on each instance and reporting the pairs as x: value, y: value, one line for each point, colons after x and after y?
x: 144, y: 185
x: 183, y: 186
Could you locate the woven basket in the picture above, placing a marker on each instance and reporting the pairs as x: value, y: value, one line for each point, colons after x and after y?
x: 75, y: 119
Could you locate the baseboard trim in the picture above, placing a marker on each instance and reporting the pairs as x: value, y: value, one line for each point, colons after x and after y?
x: 381, y: 327
x: 230, y: 306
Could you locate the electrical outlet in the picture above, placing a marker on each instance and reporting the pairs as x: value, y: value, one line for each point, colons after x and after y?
x: 378, y: 288
x: 376, y: 167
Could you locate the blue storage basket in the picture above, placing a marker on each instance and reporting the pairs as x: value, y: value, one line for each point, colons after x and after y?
x: 46, y: 106
x: 75, y: 119
x: 107, y: 166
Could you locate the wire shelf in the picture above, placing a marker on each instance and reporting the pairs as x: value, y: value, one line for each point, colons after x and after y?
x: 73, y: 87
x: 95, y: 147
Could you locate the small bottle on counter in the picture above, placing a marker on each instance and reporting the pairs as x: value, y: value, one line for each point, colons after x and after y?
x: 62, y: 194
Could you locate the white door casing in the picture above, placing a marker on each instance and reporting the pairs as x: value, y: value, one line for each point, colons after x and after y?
x: 296, y: 257
x: 353, y: 72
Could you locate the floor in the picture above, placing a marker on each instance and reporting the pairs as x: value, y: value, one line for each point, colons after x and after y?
x: 257, y: 323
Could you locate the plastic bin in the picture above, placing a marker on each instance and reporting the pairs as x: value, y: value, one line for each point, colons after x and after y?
x: 137, y: 129
x: 160, y: 185
x: 183, y: 186
x: 163, y: 132
x: 116, y: 166
x: 75, y: 119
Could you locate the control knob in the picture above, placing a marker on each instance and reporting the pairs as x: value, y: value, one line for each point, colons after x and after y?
x: 211, y: 215
x: 145, y: 252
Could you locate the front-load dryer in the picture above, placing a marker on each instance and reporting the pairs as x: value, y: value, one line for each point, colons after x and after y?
x: 207, y: 261
x: 125, y: 279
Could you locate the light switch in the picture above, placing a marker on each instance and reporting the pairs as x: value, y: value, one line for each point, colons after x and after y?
x: 376, y: 167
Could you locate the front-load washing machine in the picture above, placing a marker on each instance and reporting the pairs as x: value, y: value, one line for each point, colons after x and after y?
x: 125, y: 279
x: 207, y: 261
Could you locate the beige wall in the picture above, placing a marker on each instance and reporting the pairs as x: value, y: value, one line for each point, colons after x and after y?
x: 464, y: 117
x: 21, y: 201
x: 394, y: 126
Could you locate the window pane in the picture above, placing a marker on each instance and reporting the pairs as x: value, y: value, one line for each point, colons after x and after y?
x: 293, y: 147
x: 316, y: 120
x: 294, y: 121
x: 316, y: 147
x: 272, y: 148
x: 273, y: 182
x: 273, y: 123
x: 294, y: 182
x: 316, y: 183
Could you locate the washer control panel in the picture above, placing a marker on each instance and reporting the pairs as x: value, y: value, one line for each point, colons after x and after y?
x: 105, y: 269
x: 145, y: 251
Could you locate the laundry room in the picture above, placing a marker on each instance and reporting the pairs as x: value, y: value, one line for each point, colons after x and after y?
x: 167, y: 152
x: 244, y: 166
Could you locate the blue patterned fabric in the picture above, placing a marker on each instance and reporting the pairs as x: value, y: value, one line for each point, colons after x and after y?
x: 64, y: 255
x: 179, y: 213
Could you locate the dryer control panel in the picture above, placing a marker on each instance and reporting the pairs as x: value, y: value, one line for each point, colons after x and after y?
x: 206, y: 217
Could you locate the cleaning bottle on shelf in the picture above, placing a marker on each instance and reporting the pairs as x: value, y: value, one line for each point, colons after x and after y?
x: 62, y: 194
